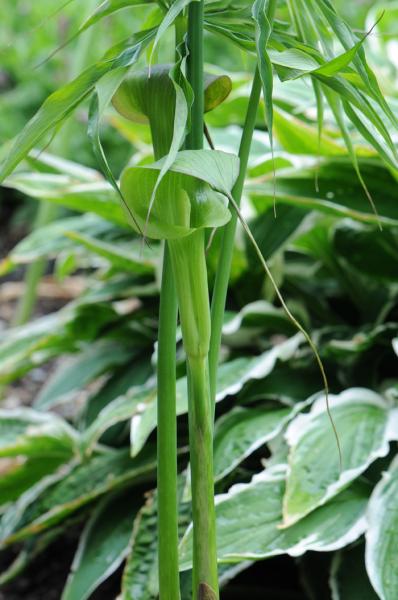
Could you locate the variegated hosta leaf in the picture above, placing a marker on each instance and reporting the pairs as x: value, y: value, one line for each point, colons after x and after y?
x: 365, y: 426
x: 58, y: 496
x: 249, y: 518
x: 382, y: 535
x: 242, y: 430
x: 103, y: 545
x: 24, y: 431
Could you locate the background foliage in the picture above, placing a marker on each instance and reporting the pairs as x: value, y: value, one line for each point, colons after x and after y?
x: 81, y: 457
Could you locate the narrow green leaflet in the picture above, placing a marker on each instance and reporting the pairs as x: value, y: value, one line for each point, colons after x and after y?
x: 365, y: 426
x: 62, y: 102
x: 103, y: 545
x: 139, y: 404
x: 263, y: 14
x: 348, y: 577
x: 243, y: 430
x: 77, y: 372
x: 57, y: 497
x: 249, y: 518
x: 24, y: 431
x: 106, y: 8
x: 381, y: 535
x: 175, y: 8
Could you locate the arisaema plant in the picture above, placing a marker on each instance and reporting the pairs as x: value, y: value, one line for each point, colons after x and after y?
x: 190, y: 190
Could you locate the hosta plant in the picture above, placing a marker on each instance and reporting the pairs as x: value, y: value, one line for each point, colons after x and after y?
x: 301, y: 300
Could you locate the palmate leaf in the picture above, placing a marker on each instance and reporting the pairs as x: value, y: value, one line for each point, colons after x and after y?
x: 103, y: 545
x: 249, y: 516
x: 62, y: 102
x: 381, y: 535
x: 139, y: 404
x: 365, y: 424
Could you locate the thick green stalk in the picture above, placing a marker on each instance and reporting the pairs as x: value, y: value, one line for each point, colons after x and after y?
x: 189, y: 265
x: 225, y: 259
x: 168, y: 566
x: 169, y: 585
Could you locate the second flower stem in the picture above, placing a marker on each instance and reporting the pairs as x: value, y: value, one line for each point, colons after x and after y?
x: 225, y: 258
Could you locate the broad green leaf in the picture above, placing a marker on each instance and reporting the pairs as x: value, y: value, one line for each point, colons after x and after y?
x: 22, y: 348
x: 72, y: 375
x: 19, y: 473
x: 364, y: 424
x: 62, y: 102
x: 243, y: 430
x: 299, y: 137
x: 139, y: 403
x: 249, y: 518
x: 187, y: 197
x: 27, y: 432
x: 369, y: 250
x: 98, y: 198
x: 332, y: 198
x: 242, y: 328
x: 272, y: 234
x: 57, y: 497
x: 348, y: 577
x: 103, y: 545
x: 381, y: 535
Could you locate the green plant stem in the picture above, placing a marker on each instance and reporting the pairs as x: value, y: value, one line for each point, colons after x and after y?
x: 34, y: 272
x: 190, y: 272
x: 225, y: 259
x: 168, y: 567
x: 195, y: 73
x: 189, y: 265
x: 169, y: 585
